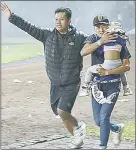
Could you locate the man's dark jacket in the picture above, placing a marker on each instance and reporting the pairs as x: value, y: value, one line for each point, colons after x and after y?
x: 62, y: 54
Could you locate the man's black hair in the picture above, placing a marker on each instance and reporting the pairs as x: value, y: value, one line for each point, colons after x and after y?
x: 67, y: 11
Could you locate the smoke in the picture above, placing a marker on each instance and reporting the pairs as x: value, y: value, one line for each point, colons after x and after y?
x: 41, y: 13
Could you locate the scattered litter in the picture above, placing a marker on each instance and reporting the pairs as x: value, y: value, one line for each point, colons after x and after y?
x: 31, y: 82
x: 28, y: 97
x: 29, y: 115
x: 41, y: 54
x: 123, y: 100
x: 17, y: 81
x: 57, y: 116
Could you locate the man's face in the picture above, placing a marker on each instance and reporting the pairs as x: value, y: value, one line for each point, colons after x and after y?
x: 100, y: 29
x: 62, y: 22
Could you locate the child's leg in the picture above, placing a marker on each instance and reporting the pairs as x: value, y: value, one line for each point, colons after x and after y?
x: 90, y: 70
x: 126, y: 88
x: 123, y: 79
x: 85, y: 89
x: 88, y: 76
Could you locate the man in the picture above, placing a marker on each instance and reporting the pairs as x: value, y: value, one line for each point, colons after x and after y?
x: 108, y: 80
x: 62, y: 47
x: 111, y: 59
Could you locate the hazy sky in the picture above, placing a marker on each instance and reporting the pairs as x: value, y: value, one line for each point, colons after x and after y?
x: 41, y: 13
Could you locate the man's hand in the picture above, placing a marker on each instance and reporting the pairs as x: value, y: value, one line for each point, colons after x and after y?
x: 108, y: 37
x: 102, y: 71
x: 5, y: 9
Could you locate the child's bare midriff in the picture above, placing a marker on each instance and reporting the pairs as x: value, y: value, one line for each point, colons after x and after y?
x: 111, y: 55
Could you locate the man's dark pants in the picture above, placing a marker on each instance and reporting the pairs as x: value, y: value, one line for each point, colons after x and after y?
x: 63, y: 97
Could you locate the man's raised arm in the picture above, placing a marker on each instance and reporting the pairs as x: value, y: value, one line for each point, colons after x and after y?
x: 36, y: 32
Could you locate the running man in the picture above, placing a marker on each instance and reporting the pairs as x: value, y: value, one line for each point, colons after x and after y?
x: 62, y: 46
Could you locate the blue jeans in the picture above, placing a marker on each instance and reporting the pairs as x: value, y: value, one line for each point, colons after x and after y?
x: 102, y: 112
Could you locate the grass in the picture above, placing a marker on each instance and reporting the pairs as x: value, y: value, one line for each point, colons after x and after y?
x: 27, y: 39
x: 14, y: 53
x: 31, y: 48
x: 128, y: 133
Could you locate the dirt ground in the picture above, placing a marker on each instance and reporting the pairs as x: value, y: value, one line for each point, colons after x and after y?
x: 27, y: 118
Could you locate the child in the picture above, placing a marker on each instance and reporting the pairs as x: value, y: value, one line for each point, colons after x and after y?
x: 111, y: 60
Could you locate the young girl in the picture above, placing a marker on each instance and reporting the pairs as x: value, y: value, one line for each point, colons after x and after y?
x: 111, y: 60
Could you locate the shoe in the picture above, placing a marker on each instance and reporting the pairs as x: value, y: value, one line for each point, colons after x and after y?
x: 102, y: 147
x: 117, y: 135
x: 57, y: 116
x: 80, y: 131
x: 79, y: 136
x: 84, y: 91
x: 127, y: 91
x: 73, y: 145
x: 99, y: 147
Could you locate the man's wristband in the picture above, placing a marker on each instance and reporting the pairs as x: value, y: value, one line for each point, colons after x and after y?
x: 99, y: 42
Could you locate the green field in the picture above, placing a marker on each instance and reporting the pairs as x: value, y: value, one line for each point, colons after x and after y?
x: 14, y: 53
x: 128, y: 133
x: 28, y: 49
x: 27, y: 39
x: 31, y: 48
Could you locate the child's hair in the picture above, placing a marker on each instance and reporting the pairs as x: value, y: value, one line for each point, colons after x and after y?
x: 117, y: 28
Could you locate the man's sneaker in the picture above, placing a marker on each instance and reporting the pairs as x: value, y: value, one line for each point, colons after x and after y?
x: 102, y: 147
x: 84, y: 91
x: 80, y: 130
x: 127, y: 91
x: 99, y: 147
x: 79, y: 135
x: 73, y: 145
x: 57, y: 116
x: 117, y: 135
